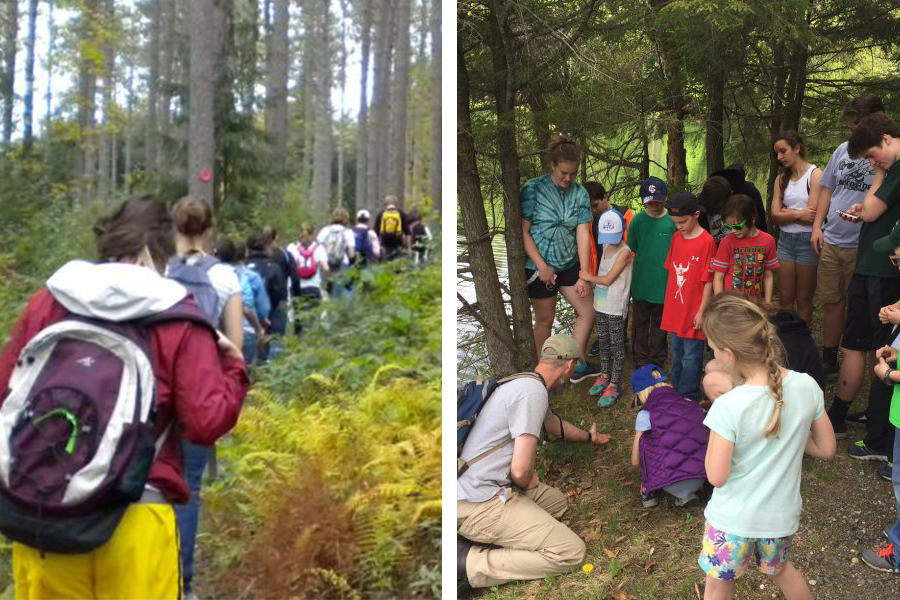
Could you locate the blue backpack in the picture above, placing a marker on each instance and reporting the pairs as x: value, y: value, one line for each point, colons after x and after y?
x: 469, y: 403
x: 363, y: 245
x: 193, y: 273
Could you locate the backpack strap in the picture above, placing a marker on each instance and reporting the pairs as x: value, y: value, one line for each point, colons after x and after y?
x: 463, y: 465
x: 182, y: 311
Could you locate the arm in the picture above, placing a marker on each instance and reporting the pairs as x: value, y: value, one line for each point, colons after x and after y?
x: 718, y: 459
x: 636, y: 449
x: 583, y: 239
x: 232, y: 320
x: 779, y: 215
x: 621, y: 262
x: 707, y: 294
x: 545, y: 273
x: 768, y: 286
x: 823, y: 205
x: 521, y: 469
x: 718, y: 283
x: 821, y: 442
x: 250, y: 315
x: 872, y: 207
x: 815, y: 188
x: 572, y: 433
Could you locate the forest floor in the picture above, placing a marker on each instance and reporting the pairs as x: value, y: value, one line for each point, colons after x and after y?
x: 652, y: 553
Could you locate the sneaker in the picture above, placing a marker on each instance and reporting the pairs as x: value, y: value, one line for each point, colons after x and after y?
x: 886, y: 471
x: 584, y: 370
x: 609, y: 395
x: 595, y: 348
x: 881, y: 560
x: 599, y: 385
x: 860, y: 451
x: 840, y: 429
x: 857, y: 417
x: 685, y: 501
x: 648, y: 499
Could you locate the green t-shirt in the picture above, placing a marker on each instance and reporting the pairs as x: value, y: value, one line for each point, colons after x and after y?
x: 649, y: 238
x: 555, y: 215
x: 868, y: 261
x: 894, y: 415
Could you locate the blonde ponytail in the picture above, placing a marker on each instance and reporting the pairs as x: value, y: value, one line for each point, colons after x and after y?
x: 773, y: 365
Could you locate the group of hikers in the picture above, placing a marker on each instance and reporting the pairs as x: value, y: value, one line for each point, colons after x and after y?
x: 121, y: 374
x: 743, y: 398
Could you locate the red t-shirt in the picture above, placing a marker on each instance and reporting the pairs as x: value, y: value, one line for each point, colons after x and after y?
x: 744, y: 260
x: 688, y: 265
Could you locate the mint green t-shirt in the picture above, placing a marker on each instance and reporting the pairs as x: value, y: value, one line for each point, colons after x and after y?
x: 761, y: 498
x: 649, y: 238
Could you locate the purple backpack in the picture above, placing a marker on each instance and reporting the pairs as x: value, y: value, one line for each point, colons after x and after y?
x: 78, y: 430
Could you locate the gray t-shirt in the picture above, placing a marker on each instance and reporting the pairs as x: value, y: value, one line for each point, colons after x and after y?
x: 849, y: 180
x: 515, y: 408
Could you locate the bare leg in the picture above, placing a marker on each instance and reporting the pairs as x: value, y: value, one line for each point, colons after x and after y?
x: 716, y: 589
x: 584, y: 320
x: 806, y: 285
x: 834, y: 323
x: 787, y: 285
x: 850, y: 378
x: 716, y: 383
x: 544, y: 313
x: 792, y: 584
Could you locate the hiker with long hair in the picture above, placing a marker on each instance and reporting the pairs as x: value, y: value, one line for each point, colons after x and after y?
x: 195, y: 375
x: 759, y: 431
x: 794, y: 195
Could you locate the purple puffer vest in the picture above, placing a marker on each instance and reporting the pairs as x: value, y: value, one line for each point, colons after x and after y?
x: 675, y: 447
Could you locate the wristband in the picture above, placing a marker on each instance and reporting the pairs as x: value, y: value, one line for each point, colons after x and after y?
x: 887, y: 377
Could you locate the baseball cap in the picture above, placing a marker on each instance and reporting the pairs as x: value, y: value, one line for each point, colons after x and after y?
x: 646, y: 376
x: 610, y: 227
x: 683, y: 204
x: 653, y: 188
x: 888, y: 242
x: 363, y: 214
x: 560, y: 346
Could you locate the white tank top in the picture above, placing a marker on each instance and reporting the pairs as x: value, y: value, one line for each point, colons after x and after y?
x: 613, y: 299
x: 796, y: 195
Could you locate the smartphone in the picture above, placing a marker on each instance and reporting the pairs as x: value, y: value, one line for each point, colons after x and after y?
x: 848, y: 216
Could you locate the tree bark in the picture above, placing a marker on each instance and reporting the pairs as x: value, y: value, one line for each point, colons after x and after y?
x: 715, y: 123
x: 168, y: 58
x: 276, y: 116
x: 7, y: 85
x: 436, y: 107
x: 86, y: 168
x: 538, y: 107
x: 498, y: 39
x: 51, y: 56
x: 323, y: 142
x: 399, y: 91
x: 129, y: 130
x: 104, y: 166
x: 362, y: 117
x: 201, y: 137
x: 379, y: 132
x: 28, y: 114
x: 498, y: 338
x: 151, y: 151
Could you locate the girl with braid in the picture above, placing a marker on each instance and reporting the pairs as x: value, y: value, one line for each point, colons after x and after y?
x: 759, y: 431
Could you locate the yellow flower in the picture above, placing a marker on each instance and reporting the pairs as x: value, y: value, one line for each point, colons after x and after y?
x: 587, y: 568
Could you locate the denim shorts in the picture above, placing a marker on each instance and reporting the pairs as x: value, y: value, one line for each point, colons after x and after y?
x: 795, y: 248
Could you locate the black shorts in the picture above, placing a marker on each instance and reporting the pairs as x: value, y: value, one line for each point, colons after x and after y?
x: 537, y: 289
x: 865, y: 297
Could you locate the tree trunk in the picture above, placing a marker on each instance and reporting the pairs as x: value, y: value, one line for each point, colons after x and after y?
x: 201, y: 137
x: 436, y: 107
x: 86, y: 168
x: 51, y: 47
x: 7, y: 85
x: 538, y: 107
x: 151, y: 149
x: 168, y: 57
x: 362, y: 117
x: 309, y: 97
x: 104, y: 167
x: 28, y: 114
x: 276, y: 116
x: 129, y: 130
x: 499, y: 37
x: 492, y: 312
x: 379, y: 132
x: 676, y: 155
x: 342, y: 85
x: 715, y: 123
x: 323, y: 143
x: 399, y: 93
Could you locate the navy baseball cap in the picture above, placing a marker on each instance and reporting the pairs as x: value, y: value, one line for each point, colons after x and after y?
x: 646, y: 376
x: 683, y: 204
x: 653, y: 189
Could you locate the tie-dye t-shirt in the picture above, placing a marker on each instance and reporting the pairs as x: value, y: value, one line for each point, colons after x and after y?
x: 554, y: 215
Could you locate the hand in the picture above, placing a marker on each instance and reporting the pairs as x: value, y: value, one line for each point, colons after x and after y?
x: 855, y: 209
x: 806, y: 216
x: 598, y: 438
x: 889, y: 314
x: 698, y: 320
x: 582, y: 288
x: 817, y: 240
x: 582, y: 274
x: 534, y: 481
x: 227, y: 347
x: 886, y: 353
x: 546, y: 274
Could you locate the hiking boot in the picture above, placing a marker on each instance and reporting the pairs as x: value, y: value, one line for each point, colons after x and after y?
x: 462, y: 551
x: 685, y: 501
x: 609, y: 395
x: 886, y: 471
x: 584, y: 370
x: 857, y: 417
x: 595, y: 348
x: 599, y: 385
x: 881, y: 560
x: 860, y: 451
x: 648, y: 499
x: 840, y: 429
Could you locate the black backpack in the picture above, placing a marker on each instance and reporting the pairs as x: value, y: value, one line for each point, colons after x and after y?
x: 272, y: 275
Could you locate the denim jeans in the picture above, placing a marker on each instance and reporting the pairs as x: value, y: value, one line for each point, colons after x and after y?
x: 248, y: 348
x: 687, y: 365
x: 187, y: 516
x: 894, y: 533
x: 279, y: 327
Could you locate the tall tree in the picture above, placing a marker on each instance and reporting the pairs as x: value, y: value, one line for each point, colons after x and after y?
x: 86, y: 166
x: 398, y: 108
x: 51, y: 57
x: 151, y: 140
x: 323, y: 140
x: 201, y: 137
x: 276, y: 114
x: 28, y: 112
x: 436, y: 106
x: 8, y: 80
x: 107, y: 37
x: 362, y: 154
x: 376, y: 162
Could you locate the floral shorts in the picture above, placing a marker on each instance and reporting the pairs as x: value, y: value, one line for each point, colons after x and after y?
x: 726, y: 557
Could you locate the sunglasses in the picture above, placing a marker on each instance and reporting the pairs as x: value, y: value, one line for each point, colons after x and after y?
x: 736, y: 226
x: 895, y: 259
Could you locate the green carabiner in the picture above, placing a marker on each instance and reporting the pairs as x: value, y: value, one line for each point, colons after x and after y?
x: 69, y: 416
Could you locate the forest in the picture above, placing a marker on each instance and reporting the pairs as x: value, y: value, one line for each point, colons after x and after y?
x: 676, y: 89
x: 276, y: 112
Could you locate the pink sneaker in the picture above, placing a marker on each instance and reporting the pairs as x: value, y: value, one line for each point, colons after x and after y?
x: 599, y: 385
x: 609, y: 395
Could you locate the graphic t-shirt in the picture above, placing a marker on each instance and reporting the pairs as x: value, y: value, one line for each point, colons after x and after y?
x: 688, y: 265
x: 554, y: 215
x: 869, y: 262
x: 649, y: 238
x: 848, y: 180
x: 744, y: 260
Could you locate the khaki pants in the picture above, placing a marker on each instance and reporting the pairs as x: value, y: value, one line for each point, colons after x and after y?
x: 533, y: 543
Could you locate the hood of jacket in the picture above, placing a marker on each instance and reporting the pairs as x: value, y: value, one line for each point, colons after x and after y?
x: 735, y: 174
x: 789, y: 321
x: 113, y: 291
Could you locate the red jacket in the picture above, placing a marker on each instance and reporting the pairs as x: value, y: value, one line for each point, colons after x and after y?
x: 201, y: 390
